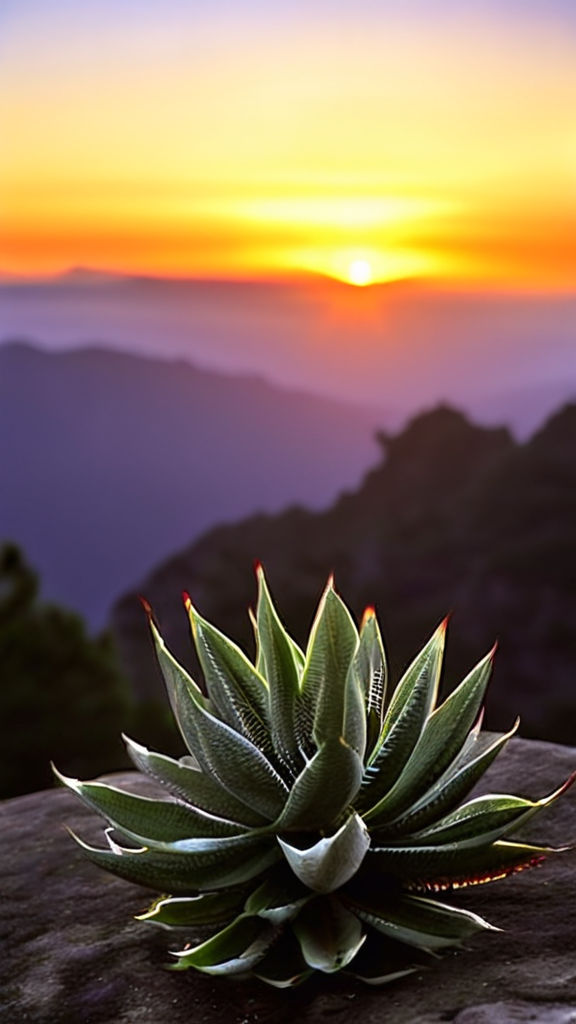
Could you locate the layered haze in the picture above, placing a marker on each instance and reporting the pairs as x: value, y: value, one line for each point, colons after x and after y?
x: 393, y: 349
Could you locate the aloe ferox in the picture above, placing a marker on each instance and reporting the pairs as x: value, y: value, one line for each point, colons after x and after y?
x: 318, y: 822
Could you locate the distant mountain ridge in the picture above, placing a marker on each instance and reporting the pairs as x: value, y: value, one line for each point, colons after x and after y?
x: 110, y: 461
x: 398, y: 346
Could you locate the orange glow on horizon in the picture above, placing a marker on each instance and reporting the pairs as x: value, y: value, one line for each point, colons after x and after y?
x: 457, y: 254
x: 360, y: 239
x: 450, y: 161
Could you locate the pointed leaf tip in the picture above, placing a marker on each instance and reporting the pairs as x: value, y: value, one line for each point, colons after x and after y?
x: 478, y: 723
x: 146, y: 606
x: 190, y: 611
x: 369, y: 613
x: 64, y: 780
x: 565, y: 786
x: 258, y: 567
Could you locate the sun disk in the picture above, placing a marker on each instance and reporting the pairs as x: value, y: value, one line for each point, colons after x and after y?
x: 360, y: 273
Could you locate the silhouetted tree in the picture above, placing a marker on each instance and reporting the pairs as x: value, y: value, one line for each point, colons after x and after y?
x: 62, y: 696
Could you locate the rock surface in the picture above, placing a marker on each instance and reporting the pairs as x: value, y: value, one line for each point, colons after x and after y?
x: 73, y: 954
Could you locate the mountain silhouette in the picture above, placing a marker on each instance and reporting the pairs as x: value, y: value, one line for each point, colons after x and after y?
x: 455, y: 518
x: 111, y: 461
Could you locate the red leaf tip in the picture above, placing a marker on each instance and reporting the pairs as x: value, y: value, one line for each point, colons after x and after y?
x: 187, y: 601
x: 146, y: 605
x: 566, y: 785
x: 369, y: 613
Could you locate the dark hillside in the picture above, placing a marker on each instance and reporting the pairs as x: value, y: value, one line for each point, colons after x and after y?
x: 455, y: 518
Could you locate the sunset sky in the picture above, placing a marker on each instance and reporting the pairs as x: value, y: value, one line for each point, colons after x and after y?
x: 368, y: 141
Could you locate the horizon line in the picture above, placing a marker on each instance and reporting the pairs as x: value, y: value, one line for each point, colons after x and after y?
x: 431, y: 284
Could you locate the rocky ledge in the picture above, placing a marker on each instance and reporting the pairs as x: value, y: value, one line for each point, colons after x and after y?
x: 73, y: 953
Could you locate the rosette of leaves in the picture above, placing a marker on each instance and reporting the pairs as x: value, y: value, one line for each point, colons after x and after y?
x: 318, y: 823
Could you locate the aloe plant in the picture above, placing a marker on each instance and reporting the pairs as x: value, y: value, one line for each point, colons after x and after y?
x: 318, y: 821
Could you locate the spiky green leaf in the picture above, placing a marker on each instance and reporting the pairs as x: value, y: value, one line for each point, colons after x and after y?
x: 194, y: 911
x: 240, y: 767
x: 234, y: 950
x: 485, y: 819
x: 456, y: 782
x: 214, y: 864
x: 146, y: 820
x: 281, y: 669
x: 280, y: 896
x: 424, y: 923
x: 419, y: 684
x: 438, y: 867
x: 234, y: 760
x: 376, y: 978
x: 411, y: 704
x: 442, y: 738
x: 327, y: 685
x: 329, y: 935
x: 195, y: 787
x: 325, y: 787
x: 237, y: 690
x: 184, y: 694
x: 372, y: 675
x: 333, y: 860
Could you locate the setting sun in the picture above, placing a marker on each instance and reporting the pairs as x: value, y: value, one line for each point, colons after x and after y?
x: 448, y: 161
x: 360, y: 273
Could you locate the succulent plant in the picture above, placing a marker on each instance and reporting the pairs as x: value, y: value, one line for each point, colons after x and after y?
x: 318, y: 821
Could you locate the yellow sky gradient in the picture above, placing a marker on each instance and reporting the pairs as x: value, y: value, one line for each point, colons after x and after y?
x: 423, y: 152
